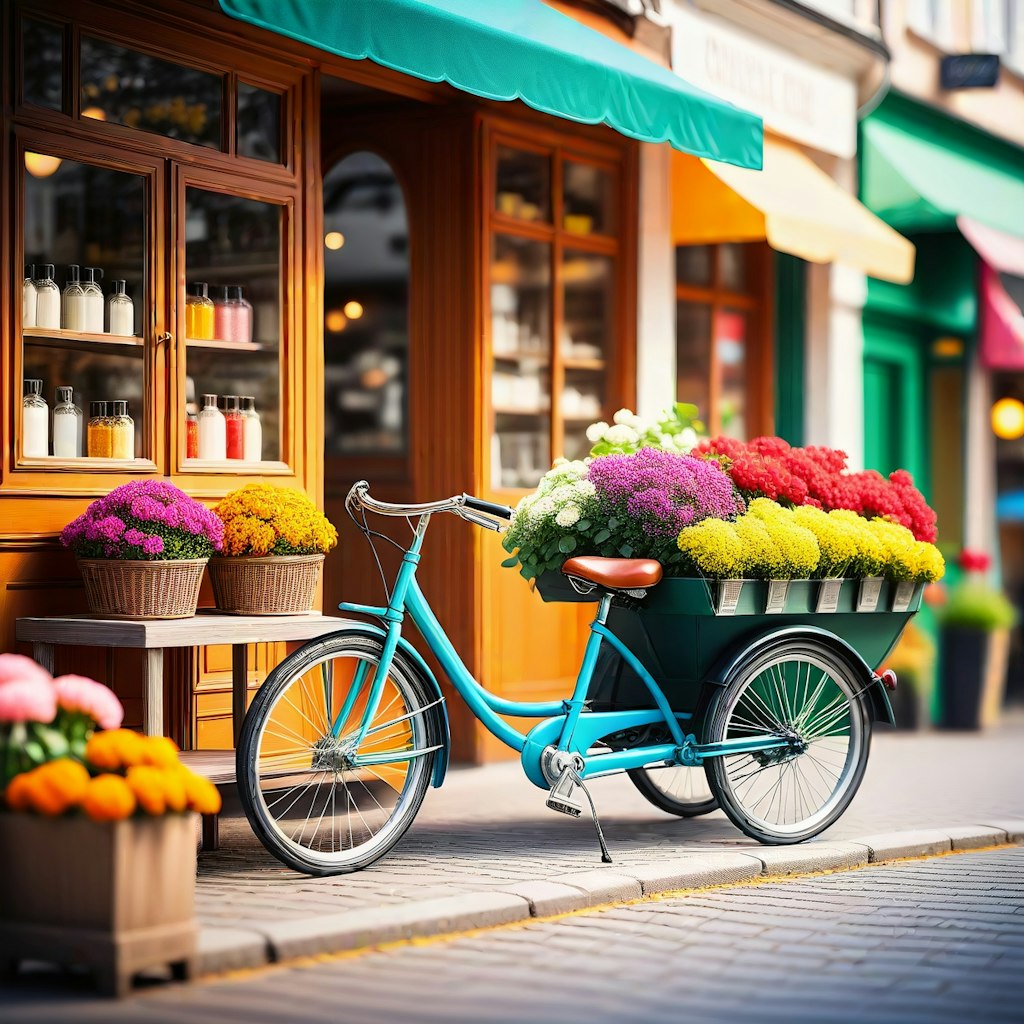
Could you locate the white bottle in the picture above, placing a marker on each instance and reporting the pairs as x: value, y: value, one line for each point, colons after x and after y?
x: 35, y: 422
x: 74, y: 301
x: 93, y: 315
x: 47, y: 298
x: 67, y: 426
x: 213, y: 435
x: 120, y: 312
x: 28, y: 298
x: 252, y: 431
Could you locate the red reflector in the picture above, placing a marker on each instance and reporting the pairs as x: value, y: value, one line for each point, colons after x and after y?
x: 888, y: 678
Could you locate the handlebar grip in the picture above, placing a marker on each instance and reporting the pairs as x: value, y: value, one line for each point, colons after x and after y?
x: 490, y: 507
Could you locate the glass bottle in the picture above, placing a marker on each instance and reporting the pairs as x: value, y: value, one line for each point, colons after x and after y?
x: 98, y: 433
x: 235, y: 427
x: 252, y: 431
x: 67, y: 426
x: 223, y: 313
x: 74, y: 301
x: 199, y: 313
x: 35, y: 421
x: 93, y: 299
x: 212, y: 430
x: 120, y: 311
x: 241, y: 316
x: 47, y: 298
x: 122, y: 432
x: 28, y: 297
x: 191, y: 436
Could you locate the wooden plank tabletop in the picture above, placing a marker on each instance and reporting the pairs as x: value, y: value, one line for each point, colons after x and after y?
x: 203, y: 628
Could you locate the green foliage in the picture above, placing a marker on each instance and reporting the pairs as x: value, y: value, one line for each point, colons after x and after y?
x: 976, y: 605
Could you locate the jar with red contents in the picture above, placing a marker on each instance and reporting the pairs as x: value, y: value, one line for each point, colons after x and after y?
x: 235, y: 427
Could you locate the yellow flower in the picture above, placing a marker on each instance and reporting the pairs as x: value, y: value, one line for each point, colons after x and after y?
x: 263, y: 519
x: 108, y: 798
x: 837, y: 540
x: 714, y: 548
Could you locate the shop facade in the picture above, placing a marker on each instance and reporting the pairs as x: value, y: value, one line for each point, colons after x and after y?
x: 420, y: 285
x: 769, y: 273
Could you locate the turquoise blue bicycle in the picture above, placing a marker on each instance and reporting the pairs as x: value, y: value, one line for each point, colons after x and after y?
x: 771, y: 722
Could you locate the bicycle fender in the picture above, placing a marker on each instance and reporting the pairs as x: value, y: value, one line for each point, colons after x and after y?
x: 881, y: 708
x: 422, y: 668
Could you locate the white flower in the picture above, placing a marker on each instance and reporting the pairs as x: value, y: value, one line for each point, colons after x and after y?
x: 584, y: 489
x: 560, y: 461
x: 596, y: 431
x: 622, y: 435
x: 541, y: 508
x: 687, y: 438
x: 563, y: 493
x: 569, y: 516
x: 624, y: 416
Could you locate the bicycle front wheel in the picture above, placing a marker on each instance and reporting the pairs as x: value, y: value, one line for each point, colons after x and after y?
x: 320, y: 798
x: 804, y: 691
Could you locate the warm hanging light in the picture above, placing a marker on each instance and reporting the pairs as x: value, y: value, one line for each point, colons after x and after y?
x: 96, y: 113
x: 353, y: 310
x: 334, y: 239
x: 1008, y: 419
x: 335, y: 321
x: 41, y: 165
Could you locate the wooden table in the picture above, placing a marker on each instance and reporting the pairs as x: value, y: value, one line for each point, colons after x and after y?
x: 154, y: 636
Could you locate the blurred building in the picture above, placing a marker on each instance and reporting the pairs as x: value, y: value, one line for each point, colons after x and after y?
x: 941, y: 160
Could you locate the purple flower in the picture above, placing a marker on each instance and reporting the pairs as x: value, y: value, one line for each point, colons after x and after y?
x: 153, y: 545
x: 663, y: 491
x: 134, y: 537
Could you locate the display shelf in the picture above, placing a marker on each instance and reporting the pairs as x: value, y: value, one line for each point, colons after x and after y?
x: 235, y: 346
x: 520, y: 356
x: 41, y: 337
x: 508, y: 410
x: 573, y: 363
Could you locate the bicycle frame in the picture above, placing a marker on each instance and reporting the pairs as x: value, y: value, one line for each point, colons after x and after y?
x: 567, y: 725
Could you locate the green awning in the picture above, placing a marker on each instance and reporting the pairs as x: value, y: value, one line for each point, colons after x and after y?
x: 519, y: 49
x: 919, y: 183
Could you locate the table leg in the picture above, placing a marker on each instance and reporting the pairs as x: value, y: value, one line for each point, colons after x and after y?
x: 153, y: 695
x: 239, y: 687
x: 43, y: 654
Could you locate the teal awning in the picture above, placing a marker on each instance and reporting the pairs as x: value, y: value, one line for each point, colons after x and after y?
x: 922, y: 182
x: 519, y: 49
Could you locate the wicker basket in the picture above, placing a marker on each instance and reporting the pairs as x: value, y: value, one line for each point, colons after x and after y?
x: 275, y: 585
x: 131, y: 589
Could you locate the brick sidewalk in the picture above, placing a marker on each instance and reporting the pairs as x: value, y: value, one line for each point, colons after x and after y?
x: 488, y: 830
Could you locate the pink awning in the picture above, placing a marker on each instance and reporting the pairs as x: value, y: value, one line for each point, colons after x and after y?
x: 1002, y: 325
x: 997, y: 248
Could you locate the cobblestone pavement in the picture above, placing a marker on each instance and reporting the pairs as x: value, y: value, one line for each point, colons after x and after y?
x: 488, y: 826
x: 938, y: 940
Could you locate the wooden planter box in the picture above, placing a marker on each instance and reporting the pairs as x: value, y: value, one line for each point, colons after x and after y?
x: 116, y: 897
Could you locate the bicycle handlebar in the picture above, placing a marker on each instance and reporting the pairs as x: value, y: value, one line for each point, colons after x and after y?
x: 461, y: 504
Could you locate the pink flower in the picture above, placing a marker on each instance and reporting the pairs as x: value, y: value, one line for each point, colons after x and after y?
x: 28, y: 700
x: 87, y: 697
x: 16, y: 667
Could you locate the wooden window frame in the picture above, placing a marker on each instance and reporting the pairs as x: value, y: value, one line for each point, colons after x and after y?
x: 620, y: 246
x: 756, y: 301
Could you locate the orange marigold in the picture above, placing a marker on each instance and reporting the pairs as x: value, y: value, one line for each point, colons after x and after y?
x: 174, y: 790
x: 18, y: 795
x: 160, y: 752
x: 113, y: 749
x: 203, y: 796
x: 108, y: 798
x: 147, y: 783
x: 57, y: 786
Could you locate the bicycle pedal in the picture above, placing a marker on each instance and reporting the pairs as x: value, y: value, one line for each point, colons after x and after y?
x: 562, y: 796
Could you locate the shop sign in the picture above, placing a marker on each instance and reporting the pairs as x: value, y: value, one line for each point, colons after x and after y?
x: 969, y: 71
x: 800, y: 100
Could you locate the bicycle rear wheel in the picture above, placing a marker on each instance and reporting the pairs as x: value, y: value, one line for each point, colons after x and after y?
x: 320, y: 799
x: 802, y: 690
x: 677, y: 790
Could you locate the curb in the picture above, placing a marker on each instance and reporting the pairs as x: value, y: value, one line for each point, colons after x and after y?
x: 223, y: 949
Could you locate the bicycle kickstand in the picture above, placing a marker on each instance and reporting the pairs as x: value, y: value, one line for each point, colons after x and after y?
x: 562, y: 799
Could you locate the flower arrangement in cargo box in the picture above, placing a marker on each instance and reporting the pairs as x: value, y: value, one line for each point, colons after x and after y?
x: 263, y: 519
x: 630, y: 505
x: 62, y: 751
x: 145, y: 520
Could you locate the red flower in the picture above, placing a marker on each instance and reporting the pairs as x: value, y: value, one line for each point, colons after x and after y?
x: 974, y: 561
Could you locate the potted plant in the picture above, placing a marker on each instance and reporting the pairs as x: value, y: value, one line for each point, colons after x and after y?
x: 970, y: 620
x: 275, y: 540
x: 142, y: 550
x: 97, y: 832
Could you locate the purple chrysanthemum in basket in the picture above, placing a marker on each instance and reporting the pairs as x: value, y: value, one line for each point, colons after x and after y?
x: 145, y: 519
x: 661, y: 492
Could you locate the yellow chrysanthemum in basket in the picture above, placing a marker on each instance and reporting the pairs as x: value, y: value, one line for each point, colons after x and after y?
x: 263, y: 519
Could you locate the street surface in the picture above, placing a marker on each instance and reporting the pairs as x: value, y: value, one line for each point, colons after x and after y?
x: 919, y: 942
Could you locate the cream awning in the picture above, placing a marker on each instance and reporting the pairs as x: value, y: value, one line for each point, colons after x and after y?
x: 792, y: 204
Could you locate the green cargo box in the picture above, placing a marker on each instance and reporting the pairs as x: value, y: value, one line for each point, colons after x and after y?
x: 678, y: 636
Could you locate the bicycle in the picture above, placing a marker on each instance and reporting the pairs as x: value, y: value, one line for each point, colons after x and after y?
x: 344, y: 737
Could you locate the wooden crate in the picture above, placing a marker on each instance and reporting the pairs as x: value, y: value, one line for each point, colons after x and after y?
x: 116, y: 897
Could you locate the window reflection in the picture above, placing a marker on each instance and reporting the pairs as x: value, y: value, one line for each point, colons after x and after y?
x: 42, y: 58
x: 366, y: 296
